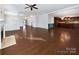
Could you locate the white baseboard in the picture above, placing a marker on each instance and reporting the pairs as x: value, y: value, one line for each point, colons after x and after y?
x: 12, y: 29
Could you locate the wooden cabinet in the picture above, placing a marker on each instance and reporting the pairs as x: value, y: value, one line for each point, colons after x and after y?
x: 67, y: 22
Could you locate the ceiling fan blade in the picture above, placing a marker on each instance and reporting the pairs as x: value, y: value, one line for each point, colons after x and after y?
x: 31, y: 6
x: 27, y: 7
x: 35, y: 7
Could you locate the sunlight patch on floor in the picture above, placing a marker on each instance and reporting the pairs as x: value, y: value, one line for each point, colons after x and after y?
x: 8, y: 41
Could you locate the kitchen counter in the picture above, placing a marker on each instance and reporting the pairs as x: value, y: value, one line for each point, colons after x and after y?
x: 70, y: 24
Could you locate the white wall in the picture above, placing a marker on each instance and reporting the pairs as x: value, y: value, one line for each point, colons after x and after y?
x: 50, y: 19
x: 40, y: 21
x: 32, y: 19
x: 13, y: 22
x: 43, y: 21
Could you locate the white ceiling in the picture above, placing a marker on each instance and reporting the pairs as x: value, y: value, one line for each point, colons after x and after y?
x: 42, y: 8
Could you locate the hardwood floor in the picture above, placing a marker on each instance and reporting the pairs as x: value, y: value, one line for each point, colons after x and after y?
x: 0, y: 52
x: 66, y: 40
x: 56, y: 41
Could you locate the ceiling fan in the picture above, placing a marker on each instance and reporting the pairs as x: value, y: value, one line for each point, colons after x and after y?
x: 32, y: 6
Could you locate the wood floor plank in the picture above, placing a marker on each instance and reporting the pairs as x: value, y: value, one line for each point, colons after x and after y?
x: 59, y: 41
